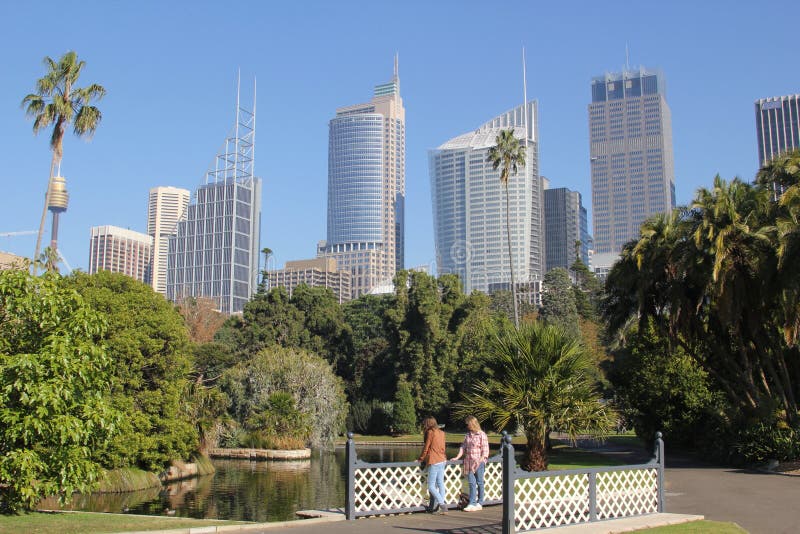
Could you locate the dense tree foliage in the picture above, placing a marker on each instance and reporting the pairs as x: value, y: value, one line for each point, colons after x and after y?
x: 558, y: 301
x: 540, y: 380
x: 317, y: 393
x: 719, y: 280
x: 404, y: 417
x: 147, y: 343
x: 54, y: 375
x: 660, y: 388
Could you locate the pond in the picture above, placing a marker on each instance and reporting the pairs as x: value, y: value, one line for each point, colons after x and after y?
x: 244, y: 490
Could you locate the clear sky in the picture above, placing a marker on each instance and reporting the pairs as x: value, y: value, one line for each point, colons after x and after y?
x: 170, y: 72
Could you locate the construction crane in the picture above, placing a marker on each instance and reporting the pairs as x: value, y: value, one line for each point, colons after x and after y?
x: 10, y: 234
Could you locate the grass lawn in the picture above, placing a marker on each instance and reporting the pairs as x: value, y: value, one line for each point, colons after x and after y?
x: 82, y: 522
x: 698, y: 527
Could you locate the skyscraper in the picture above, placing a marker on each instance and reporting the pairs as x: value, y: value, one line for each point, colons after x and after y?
x: 215, y: 251
x: 633, y: 177
x: 120, y: 251
x: 777, y: 126
x: 166, y: 206
x: 366, y: 188
x: 565, y: 223
x: 469, y: 214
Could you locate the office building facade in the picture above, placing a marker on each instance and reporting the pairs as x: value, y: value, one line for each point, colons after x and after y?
x: 366, y: 188
x: 120, y: 250
x: 631, y: 157
x: 469, y: 211
x: 165, y: 207
x: 777, y: 126
x: 566, y: 223
x: 216, y: 250
x: 317, y: 272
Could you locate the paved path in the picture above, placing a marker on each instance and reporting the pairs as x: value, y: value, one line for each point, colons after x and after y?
x: 487, y: 521
x: 761, y: 503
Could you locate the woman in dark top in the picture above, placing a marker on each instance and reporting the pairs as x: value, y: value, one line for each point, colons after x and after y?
x: 433, y: 455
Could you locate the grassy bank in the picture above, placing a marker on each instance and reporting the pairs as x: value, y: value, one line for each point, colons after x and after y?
x: 698, y: 527
x: 84, y: 522
x: 128, y: 479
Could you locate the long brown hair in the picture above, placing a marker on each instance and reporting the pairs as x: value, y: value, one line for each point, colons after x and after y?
x: 472, y: 423
x: 429, y: 423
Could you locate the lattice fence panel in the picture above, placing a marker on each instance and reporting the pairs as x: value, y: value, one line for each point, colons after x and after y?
x: 390, y: 488
x: 550, y: 501
x: 493, y: 481
x: 626, y: 493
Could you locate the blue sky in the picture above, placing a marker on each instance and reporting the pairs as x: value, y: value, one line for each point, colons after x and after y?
x: 170, y: 72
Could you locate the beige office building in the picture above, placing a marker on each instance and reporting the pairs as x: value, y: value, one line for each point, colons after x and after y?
x: 120, y: 251
x: 317, y: 272
x: 166, y: 206
x: 12, y: 261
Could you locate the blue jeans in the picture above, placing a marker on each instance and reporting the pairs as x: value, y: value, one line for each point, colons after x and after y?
x: 476, y: 483
x: 436, y: 482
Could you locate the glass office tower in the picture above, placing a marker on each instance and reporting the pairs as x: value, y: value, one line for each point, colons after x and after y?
x: 633, y: 176
x: 215, y: 251
x: 469, y: 214
x: 366, y: 188
x: 566, y: 223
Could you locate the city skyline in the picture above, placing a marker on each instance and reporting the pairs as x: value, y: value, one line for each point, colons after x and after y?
x: 164, y: 110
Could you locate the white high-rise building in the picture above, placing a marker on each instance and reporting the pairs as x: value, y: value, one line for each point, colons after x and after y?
x: 166, y: 206
x: 120, y: 250
x: 469, y: 209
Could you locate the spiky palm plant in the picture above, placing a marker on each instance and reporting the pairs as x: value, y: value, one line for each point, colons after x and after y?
x: 540, y: 381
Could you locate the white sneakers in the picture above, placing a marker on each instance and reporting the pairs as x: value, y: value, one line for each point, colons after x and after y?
x: 473, y: 507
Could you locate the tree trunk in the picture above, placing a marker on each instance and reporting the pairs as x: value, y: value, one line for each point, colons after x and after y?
x: 511, y: 260
x: 535, y: 454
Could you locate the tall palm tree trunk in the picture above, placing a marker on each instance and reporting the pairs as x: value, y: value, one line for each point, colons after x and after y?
x: 53, y: 163
x: 535, y: 453
x: 511, y: 260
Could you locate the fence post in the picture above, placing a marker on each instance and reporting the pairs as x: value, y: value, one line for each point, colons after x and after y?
x: 350, y: 495
x: 592, y: 496
x: 509, y: 467
x: 660, y: 459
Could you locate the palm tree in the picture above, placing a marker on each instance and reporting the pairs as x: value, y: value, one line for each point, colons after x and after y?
x: 540, y: 380
x: 509, y: 153
x: 57, y: 101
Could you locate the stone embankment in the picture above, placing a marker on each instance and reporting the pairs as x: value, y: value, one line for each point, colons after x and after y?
x: 260, y: 454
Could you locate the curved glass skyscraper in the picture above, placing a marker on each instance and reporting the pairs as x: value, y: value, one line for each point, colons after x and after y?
x: 366, y: 188
x: 469, y: 215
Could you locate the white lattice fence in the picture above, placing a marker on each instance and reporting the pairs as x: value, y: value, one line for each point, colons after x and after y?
x: 549, y: 501
x: 389, y: 488
x: 493, y: 481
x: 626, y: 493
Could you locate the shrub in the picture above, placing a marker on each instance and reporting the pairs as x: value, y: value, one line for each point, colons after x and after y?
x: 765, y: 441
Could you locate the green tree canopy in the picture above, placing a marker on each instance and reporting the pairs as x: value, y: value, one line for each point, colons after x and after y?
x: 558, y: 301
x: 54, y: 375
x: 317, y: 392
x: 148, y: 345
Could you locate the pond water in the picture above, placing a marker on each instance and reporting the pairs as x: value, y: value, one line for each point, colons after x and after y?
x: 244, y: 490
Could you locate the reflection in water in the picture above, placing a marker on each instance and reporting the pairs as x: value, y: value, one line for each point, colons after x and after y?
x: 245, y: 490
